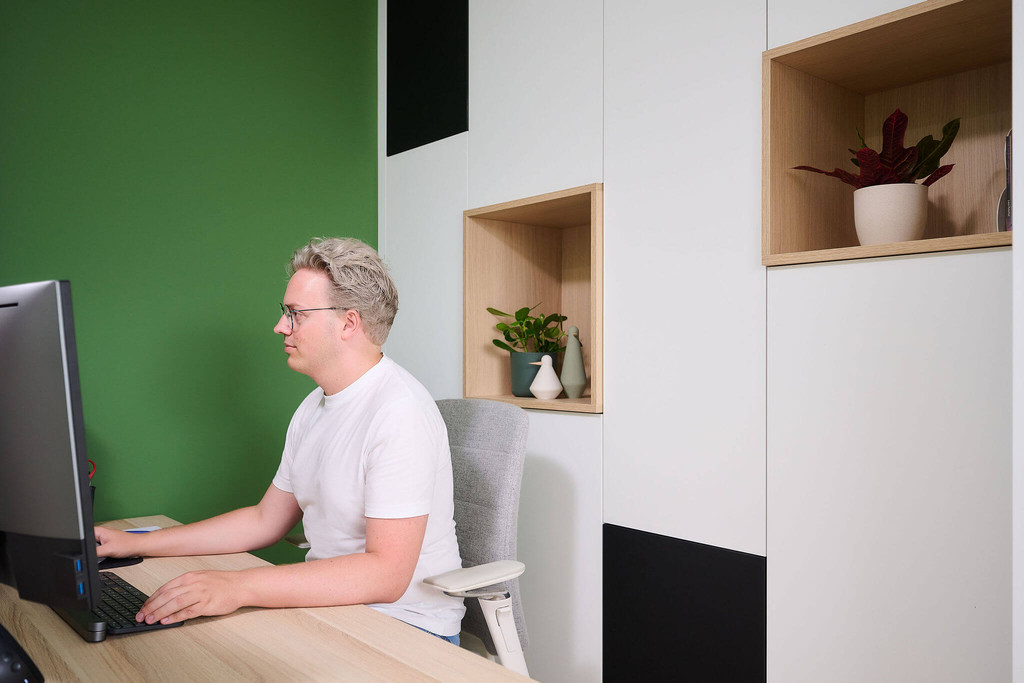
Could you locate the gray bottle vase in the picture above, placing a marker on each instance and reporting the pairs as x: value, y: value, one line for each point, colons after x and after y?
x: 574, y: 375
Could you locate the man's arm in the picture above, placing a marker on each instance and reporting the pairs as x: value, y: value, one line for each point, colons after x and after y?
x: 237, y: 531
x: 381, y: 574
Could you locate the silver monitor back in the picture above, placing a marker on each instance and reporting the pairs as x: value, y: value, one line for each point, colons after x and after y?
x: 47, y: 545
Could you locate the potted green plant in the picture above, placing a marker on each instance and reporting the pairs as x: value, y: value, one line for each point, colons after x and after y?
x: 888, y: 203
x: 528, y: 338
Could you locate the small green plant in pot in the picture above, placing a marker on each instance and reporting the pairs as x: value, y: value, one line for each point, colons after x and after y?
x: 888, y: 203
x: 527, y: 338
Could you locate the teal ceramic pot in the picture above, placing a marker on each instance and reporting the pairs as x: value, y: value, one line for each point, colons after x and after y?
x: 523, y: 373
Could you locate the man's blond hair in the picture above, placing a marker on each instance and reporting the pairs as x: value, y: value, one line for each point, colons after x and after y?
x: 359, y: 280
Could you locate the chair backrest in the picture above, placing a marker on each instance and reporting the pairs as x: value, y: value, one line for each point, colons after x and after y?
x: 488, y: 444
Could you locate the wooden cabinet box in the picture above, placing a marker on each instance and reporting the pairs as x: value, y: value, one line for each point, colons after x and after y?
x: 546, y: 250
x: 937, y: 60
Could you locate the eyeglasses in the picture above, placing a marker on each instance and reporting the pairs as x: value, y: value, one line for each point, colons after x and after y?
x: 290, y: 313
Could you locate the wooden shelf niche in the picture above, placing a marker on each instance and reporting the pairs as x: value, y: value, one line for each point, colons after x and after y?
x: 937, y: 60
x: 547, y: 250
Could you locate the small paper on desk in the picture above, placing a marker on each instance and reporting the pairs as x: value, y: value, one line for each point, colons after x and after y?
x: 142, y: 529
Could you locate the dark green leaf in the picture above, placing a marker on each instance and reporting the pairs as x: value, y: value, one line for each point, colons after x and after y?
x: 522, y: 314
x: 495, y: 311
x: 502, y: 345
x: 931, y: 161
x: 925, y: 158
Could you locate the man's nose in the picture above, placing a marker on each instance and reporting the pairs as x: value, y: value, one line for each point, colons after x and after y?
x: 283, y: 326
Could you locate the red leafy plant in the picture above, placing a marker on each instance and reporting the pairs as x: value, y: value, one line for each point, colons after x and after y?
x: 896, y: 163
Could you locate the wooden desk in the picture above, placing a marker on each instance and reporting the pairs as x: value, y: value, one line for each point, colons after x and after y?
x: 352, y: 643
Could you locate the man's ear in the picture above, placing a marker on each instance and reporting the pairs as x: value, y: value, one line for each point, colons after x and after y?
x: 351, y: 322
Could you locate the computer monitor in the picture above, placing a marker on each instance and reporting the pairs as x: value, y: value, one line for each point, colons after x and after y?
x: 47, y: 543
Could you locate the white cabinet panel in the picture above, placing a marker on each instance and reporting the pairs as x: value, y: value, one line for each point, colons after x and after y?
x: 889, y: 469
x: 560, y: 543
x: 534, y: 97
x: 1018, y: 383
x: 792, y: 20
x: 684, y: 285
x: 421, y: 240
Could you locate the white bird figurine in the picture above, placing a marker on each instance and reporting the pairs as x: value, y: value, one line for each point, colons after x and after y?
x: 545, y: 385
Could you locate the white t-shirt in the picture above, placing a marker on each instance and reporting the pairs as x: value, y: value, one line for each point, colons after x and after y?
x: 379, y: 448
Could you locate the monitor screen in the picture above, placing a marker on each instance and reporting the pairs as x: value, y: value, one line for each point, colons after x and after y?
x: 47, y: 544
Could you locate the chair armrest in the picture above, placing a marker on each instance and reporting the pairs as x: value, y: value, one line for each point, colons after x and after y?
x: 470, y: 578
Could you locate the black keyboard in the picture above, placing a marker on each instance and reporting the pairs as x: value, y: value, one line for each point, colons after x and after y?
x: 116, y: 612
x: 121, y: 602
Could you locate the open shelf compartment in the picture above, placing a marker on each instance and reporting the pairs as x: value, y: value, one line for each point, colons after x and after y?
x: 544, y: 249
x: 937, y: 60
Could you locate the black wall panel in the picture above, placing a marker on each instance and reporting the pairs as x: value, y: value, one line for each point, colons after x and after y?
x: 427, y: 72
x: 681, y: 611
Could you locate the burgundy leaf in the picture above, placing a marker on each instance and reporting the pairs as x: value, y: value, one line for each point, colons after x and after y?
x: 845, y: 176
x: 893, y: 130
x: 890, y: 178
x: 938, y: 173
x: 905, y: 167
x: 872, y: 172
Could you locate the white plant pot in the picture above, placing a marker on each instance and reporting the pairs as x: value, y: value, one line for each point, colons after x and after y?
x: 890, y: 213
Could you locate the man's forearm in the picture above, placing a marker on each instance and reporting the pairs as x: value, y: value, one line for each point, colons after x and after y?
x: 237, y: 531
x: 361, y: 578
x: 233, y: 532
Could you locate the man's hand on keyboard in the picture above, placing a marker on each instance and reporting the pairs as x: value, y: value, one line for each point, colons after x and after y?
x: 195, y: 594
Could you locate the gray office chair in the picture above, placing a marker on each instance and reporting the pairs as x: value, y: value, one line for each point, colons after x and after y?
x: 488, y: 444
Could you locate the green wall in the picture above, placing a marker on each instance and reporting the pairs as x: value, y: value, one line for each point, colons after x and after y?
x: 166, y: 158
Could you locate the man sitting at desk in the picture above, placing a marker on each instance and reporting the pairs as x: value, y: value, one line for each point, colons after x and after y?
x: 366, y: 467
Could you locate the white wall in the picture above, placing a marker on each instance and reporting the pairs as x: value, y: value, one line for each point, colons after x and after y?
x: 560, y: 543
x: 684, y: 285
x: 425, y: 195
x: 534, y: 97
x: 889, y: 399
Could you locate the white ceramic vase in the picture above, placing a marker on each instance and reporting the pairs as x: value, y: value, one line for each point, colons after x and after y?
x: 890, y: 213
x: 545, y: 385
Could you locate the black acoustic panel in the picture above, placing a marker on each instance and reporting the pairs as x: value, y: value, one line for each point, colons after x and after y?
x: 428, y: 72
x: 677, y: 610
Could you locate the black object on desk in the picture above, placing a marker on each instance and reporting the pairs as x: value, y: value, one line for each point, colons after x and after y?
x: 15, y: 664
x: 115, y: 562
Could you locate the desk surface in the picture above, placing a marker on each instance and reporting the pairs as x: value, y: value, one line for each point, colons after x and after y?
x: 352, y: 643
